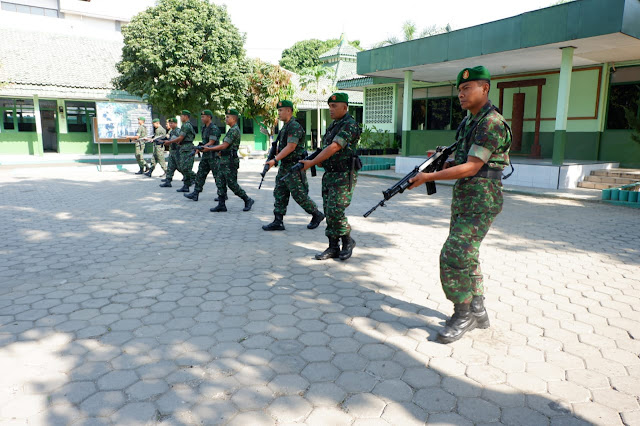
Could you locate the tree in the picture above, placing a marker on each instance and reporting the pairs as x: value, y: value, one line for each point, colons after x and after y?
x: 184, y: 54
x: 410, y: 32
x: 633, y: 118
x: 312, y: 77
x: 267, y: 85
x: 304, y: 54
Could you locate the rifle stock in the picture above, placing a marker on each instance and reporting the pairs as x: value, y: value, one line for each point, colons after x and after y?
x: 297, y: 168
x: 432, y: 164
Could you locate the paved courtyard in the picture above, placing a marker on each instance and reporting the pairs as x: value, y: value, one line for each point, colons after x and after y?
x: 125, y: 303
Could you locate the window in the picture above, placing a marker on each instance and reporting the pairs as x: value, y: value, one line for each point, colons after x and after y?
x: 33, y: 10
x: 436, y: 108
x: 7, y: 120
x: 624, y: 97
x: 302, y: 119
x: 25, y: 115
x: 79, y: 114
x: 247, y: 126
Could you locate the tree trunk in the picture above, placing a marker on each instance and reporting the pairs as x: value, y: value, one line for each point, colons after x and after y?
x: 318, y: 138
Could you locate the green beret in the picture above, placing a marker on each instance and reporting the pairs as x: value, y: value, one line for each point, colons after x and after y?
x: 473, y: 74
x: 186, y: 112
x: 232, y: 111
x: 141, y: 118
x: 156, y: 120
x: 172, y: 120
x: 207, y: 112
x: 338, y: 97
x: 285, y: 104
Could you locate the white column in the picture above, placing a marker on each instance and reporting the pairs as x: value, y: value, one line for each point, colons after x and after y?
x: 406, y: 110
x: 562, y: 110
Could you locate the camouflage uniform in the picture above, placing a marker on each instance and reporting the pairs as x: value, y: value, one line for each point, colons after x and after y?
x: 476, y: 203
x: 229, y: 164
x: 158, y: 150
x: 339, y: 179
x: 174, y: 154
x: 185, y: 164
x: 210, y: 160
x: 296, y: 184
x: 141, y: 133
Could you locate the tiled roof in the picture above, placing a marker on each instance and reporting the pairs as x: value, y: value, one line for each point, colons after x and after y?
x: 59, y: 60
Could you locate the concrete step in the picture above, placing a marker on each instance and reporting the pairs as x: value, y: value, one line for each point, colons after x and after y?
x: 596, y: 185
x: 620, y: 173
x: 609, y: 179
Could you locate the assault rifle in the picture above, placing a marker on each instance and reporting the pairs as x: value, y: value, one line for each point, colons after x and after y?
x: 195, y: 149
x: 432, y: 164
x: 270, y: 156
x: 297, y: 168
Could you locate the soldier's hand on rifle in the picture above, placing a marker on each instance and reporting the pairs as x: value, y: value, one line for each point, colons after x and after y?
x: 306, y: 164
x: 271, y: 163
x: 448, y: 163
x: 420, y: 179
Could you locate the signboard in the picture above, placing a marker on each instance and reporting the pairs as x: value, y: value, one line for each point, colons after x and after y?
x: 119, y: 120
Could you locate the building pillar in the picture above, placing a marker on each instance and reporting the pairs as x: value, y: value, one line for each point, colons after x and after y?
x: 308, y: 126
x: 562, y: 110
x: 406, y: 110
x: 323, y: 122
x: 38, y: 149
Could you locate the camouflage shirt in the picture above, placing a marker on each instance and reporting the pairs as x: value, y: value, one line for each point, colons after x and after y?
x: 142, y: 132
x: 174, y: 133
x: 160, y: 132
x: 210, y: 133
x: 292, y: 132
x: 188, y: 132
x: 490, y: 142
x: 233, y: 139
x: 346, y: 133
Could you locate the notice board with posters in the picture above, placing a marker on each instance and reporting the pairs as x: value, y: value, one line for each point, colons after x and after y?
x: 119, y: 120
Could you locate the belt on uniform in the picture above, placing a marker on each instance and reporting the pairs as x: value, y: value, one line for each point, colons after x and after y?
x: 489, y: 173
x: 228, y: 153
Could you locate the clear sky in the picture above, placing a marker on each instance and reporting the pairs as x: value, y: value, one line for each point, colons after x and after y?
x: 272, y: 26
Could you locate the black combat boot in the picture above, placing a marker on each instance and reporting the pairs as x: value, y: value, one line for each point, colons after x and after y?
x: 193, y: 195
x: 150, y: 171
x: 479, y: 312
x: 316, y: 218
x: 332, y: 252
x: 276, y: 225
x: 221, y: 207
x: 225, y: 198
x: 461, y: 321
x: 141, y: 171
x: 166, y: 184
x: 185, y: 188
x: 348, y: 244
x: 248, y: 202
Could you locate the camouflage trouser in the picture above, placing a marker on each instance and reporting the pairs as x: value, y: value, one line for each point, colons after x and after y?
x: 158, y: 157
x: 336, y: 197
x: 295, y: 185
x: 228, y: 177
x: 185, y: 164
x: 174, y: 156
x: 208, y: 163
x: 460, y: 272
x: 140, y: 154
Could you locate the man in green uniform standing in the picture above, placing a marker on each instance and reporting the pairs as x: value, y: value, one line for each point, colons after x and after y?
x: 185, y: 140
x: 158, y: 150
x: 341, y: 165
x: 484, y: 140
x: 174, y: 152
x: 209, y: 161
x: 229, y: 164
x: 291, y: 149
x: 141, y: 134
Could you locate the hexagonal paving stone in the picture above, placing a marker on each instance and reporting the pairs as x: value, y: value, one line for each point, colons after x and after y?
x: 289, y: 409
x: 364, y: 405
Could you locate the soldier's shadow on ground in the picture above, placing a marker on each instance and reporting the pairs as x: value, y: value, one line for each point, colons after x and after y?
x: 155, y: 310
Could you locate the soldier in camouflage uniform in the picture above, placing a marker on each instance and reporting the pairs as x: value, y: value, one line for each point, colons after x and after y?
x: 140, y: 134
x: 291, y: 149
x: 185, y: 160
x: 484, y: 140
x: 229, y: 164
x: 209, y: 161
x: 341, y: 165
x: 174, y: 152
x: 158, y: 150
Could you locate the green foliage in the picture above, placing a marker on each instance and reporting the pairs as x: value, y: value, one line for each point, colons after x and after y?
x: 410, y: 32
x: 372, y: 138
x: 267, y: 85
x: 184, y: 54
x: 633, y: 118
x: 304, y: 54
